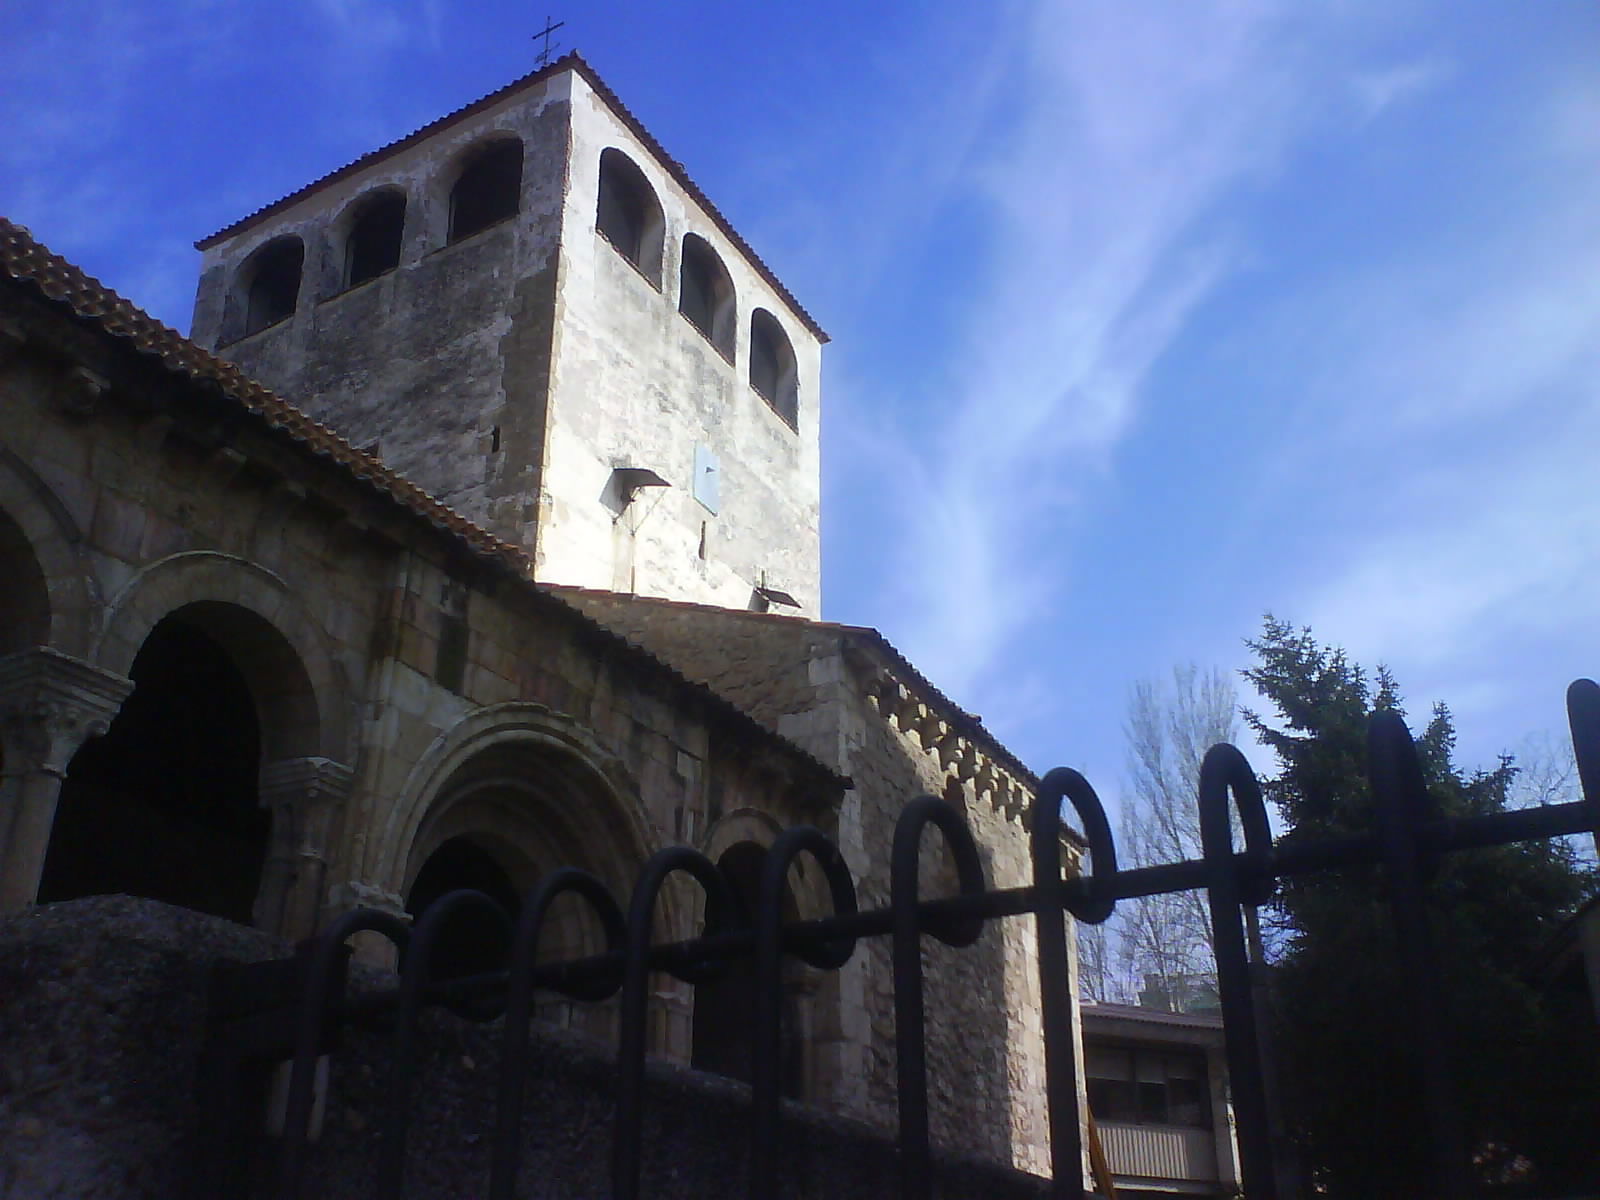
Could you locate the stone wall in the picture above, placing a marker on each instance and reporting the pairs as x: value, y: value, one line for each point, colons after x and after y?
x: 636, y: 384
x: 427, y: 364
x: 102, y: 1019
x: 399, y: 679
x: 845, y: 696
x: 512, y: 372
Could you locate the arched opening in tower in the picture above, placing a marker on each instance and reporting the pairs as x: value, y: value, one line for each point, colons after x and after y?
x: 705, y: 294
x: 723, y: 1008
x: 772, y: 366
x: 274, y: 290
x: 373, y: 246
x: 165, y: 805
x: 628, y: 215
x: 489, y: 189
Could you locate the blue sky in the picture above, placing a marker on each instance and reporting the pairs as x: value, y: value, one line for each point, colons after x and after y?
x: 1148, y: 317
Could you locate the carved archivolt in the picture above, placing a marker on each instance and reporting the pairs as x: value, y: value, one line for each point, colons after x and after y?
x: 484, y: 760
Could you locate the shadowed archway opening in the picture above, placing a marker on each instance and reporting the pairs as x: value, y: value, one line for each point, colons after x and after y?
x: 471, y: 944
x: 165, y: 805
x: 723, y: 1008
x: 488, y: 190
x: 24, y: 597
x: 373, y: 243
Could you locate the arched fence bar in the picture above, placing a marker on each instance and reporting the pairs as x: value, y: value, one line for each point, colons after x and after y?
x: 1408, y: 834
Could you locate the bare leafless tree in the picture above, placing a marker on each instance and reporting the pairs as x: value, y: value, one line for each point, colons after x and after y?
x: 1164, y: 942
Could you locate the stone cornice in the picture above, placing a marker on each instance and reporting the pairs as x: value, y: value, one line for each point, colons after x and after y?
x: 928, y: 731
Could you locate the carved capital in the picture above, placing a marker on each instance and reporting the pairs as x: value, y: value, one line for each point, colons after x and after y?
x: 353, y: 894
x: 311, y: 782
x: 50, y: 704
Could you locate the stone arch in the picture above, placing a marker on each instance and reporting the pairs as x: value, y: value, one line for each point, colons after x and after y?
x: 773, y: 373
x: 706, y: 294
x: 721, y: 1031
x: 740, y: 825
x: 297, y: 680
x: 527, y: 777
x: 754, y: 826
x: 512, y: 792
x: 50, y: 593
x: 167, y: 803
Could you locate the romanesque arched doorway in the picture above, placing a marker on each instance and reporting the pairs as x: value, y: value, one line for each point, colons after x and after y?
x: 165, y: 805
x: 518, y: 805
x: 722, y: 1007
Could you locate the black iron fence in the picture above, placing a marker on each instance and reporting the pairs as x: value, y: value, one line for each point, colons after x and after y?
x: 1407, y: 835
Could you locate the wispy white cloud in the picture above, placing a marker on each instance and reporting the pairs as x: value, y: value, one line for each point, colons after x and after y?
x: 1446, y: 422
x: 1123, y: 133
x: 1378, y: 90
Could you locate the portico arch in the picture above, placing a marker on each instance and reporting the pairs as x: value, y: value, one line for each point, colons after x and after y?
x: 166, y: 805
x: 47, y: 595
x: 25, y: 599
x: 222, y: 652
x: 297, y: 679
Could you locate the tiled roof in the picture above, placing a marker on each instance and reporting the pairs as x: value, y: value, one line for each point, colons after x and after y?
x: 968, y: 724
x: 1152, y: 1016
x: 23, y: 258
x: 573, y: 62
x: 31, y: 264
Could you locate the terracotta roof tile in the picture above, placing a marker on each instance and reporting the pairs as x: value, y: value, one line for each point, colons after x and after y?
x: 574, y: 62
x: 24, y: 259
x: 30, y: 263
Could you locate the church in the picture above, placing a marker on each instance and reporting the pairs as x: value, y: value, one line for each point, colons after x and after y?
x: 473, y: 532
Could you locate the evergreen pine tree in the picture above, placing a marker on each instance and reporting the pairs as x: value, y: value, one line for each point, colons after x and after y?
x: 1527, y: 1079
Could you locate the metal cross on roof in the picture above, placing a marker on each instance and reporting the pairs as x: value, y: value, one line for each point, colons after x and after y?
x: 544, y: 54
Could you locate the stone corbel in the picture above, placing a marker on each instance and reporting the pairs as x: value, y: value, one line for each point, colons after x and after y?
x: 80, y: 392
x: 967, y: 767
x: 950, y: 749
x: 906, y: 710
x: 1014, y: 801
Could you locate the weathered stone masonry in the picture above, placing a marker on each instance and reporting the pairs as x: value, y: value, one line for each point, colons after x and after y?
x: 177, y: 503
x: 260, y: 668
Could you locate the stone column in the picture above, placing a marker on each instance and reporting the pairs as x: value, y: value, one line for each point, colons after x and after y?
x: 303, y: 795
x: 50, y: 704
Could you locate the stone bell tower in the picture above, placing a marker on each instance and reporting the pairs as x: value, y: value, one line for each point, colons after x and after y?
x: 531, y: 310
